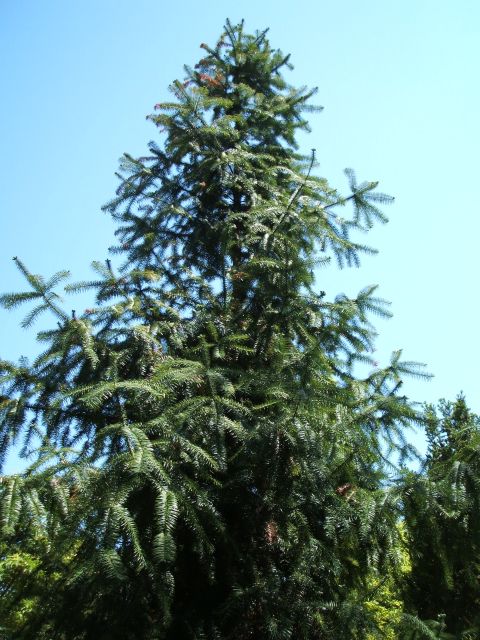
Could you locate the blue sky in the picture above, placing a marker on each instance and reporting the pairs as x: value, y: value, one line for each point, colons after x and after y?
x: 398, y: 81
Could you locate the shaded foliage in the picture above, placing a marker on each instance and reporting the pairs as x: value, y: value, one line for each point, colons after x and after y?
x: 442, y: 519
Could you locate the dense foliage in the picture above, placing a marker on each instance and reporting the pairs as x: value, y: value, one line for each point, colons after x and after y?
x: 442, y: 507
x: 212, y: 441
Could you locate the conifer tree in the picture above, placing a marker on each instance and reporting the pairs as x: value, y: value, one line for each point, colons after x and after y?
x: 209, y: 463
x: 442, y: 506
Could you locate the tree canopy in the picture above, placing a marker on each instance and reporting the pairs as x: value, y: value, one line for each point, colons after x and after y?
x: 216, y: 454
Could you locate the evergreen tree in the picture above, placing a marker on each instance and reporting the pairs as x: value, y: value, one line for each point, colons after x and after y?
x: 208, y: 457
x: 442, y: 506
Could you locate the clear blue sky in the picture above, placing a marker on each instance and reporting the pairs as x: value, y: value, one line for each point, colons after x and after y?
x: 399, y: 83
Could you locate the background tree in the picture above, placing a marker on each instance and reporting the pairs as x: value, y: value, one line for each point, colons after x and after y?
x: 442, y: 519
x: 205, y: 439
x: 26, y: 579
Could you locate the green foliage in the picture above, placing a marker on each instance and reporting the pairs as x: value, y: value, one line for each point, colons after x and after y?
x: 202, y: 438
x: 385, y: 602
x: 442, y: 519
x: 25, y: 578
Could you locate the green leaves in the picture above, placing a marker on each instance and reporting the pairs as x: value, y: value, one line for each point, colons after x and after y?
x: 164, y: 548
x: 167, y: 510
x: 41, y: 291
x: 11, y: 503
x: 444, y: 500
